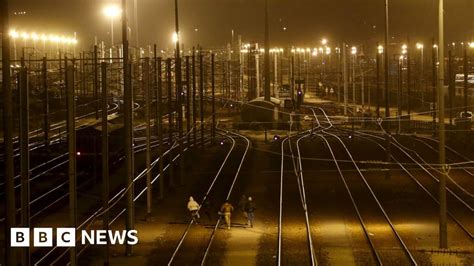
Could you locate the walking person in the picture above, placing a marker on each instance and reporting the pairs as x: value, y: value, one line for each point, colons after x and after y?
x: 227, y: 210
x: 193, y: 208
x: 242, y: 202
x: 249, y: 209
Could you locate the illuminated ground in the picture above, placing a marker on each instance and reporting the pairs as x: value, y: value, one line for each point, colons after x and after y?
x: 336, y: 232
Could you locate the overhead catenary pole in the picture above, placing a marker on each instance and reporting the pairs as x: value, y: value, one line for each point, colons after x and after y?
x: 201, y: 95
x: 345, y: 78
x: 362, y: 85
x: 399, y: 91
x: 128, y: 126
x: 147, y: 85
x: 451, y: 86
x: 267, y: 56
x: 24, y: 156
x: 408, y: 78
x: 188, y: 102
x: 135, y: 17
x: 466, y: 77
x: 96, y: 82
x: 387, y: 92
x: 179, y: 90
x: 71, y: 139
x: 169, y: 102
x: 339, y: 74
x: 44, y: 82
x: 386, y: 71
x: 433, y: 84
x: 105, y: 159
x: 443, y: 229
x: 159, y: 121
x: 194, y: 97
x: 354, y: 57
x: 170, y: 117
x: 377, y: 83
x: 213, y: 129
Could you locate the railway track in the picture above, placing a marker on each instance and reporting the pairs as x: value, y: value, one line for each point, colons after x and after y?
x: 194, y: 246
x: 291, y: 249
x: 371, y: 215
x: 58, y: 256
x: 458, y: 209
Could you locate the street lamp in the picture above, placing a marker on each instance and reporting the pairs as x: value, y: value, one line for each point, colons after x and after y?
x: 353, y: 50
x: 420, y: 47
x: 324, y: 41
x: 175, y: 37
x: 354, y: 57
x: 112, y: 11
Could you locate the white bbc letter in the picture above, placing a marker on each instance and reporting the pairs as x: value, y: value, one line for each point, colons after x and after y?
x: 66, y: 237
x: 43, y: 237
x: 87, y: 238
x: 20, y: 237
x: 132, y: 236
x: 101, y: 237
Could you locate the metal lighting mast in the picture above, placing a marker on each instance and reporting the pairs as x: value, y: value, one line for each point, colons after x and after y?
x: 128, y: 125
x: 443, y: 230
x: 267, y: 56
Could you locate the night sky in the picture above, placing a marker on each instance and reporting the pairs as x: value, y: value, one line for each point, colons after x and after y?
x: 307, y: 21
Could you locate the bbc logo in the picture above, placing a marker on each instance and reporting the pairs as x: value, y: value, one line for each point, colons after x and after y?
x: 42, y: 237
x: 66, y: 237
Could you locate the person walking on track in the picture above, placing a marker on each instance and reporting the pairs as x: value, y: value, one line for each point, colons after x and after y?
x: 249, y: 209
x: 227, y: 210
x: 193, y: 207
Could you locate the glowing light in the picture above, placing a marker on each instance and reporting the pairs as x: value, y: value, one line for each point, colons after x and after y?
x: 471, y: 45
x: 112, y: 11
x: 34, y: 36
x: 14, y: 34
x: 324, y: 41
x: 54, y: 38
x: 328, y: 50
x: 175, y: 37
x: 380, y: 49
x: 25, y: 36
x: 419, y: 46
x: 354, y: 50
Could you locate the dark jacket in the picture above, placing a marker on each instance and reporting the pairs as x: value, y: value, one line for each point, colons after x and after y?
x: 250, y: 206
